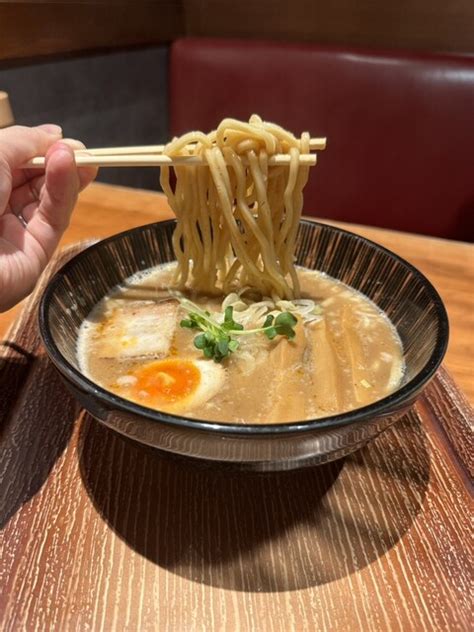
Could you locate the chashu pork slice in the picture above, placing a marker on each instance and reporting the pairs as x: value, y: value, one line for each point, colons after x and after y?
x: 136, y: 328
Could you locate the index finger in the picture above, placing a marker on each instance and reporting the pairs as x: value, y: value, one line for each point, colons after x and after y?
x: 18, y: 144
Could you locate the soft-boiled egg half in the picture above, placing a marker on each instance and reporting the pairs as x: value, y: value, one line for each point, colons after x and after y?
x: 175, y: 384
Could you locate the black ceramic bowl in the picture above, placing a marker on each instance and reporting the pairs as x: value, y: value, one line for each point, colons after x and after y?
x: 409, y: 299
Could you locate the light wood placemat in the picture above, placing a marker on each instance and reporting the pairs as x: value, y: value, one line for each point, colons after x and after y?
x: 101, y: 534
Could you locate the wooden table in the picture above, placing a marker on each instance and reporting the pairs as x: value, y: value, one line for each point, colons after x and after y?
x: 99, y: 534
x: 104, y: 210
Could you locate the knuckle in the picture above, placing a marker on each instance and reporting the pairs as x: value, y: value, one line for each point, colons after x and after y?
x: 19, y: 131
x: 16, y: 129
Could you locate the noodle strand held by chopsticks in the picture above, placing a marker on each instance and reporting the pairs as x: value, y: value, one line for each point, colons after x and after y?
x: 237, y: 217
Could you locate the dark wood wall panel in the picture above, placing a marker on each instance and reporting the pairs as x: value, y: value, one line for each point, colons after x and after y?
x: 31, y: 29
x: 435, y: 25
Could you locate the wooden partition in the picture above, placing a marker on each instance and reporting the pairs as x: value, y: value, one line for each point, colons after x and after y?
x: 31, y: 29
x: 434, y: 25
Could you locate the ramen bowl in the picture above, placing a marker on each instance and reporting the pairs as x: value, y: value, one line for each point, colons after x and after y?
x: 401, y: 291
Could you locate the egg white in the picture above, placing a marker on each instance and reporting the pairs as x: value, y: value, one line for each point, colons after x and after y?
x: 212, y: 379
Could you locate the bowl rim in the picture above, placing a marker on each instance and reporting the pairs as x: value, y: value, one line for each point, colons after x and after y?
x: 385, y: 406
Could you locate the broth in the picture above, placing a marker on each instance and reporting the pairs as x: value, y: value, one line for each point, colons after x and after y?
x: 348, y: 357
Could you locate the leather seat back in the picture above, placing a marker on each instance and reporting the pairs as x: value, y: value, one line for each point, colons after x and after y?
x: 400, y: 126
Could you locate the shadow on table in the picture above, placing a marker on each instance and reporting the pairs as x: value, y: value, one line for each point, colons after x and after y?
x: 258, y: 532
x: 34, y: 430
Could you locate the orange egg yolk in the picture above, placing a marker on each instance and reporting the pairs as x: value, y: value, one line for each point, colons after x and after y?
x: 165, y: 381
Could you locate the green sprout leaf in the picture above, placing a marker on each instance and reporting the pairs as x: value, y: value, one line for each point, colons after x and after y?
x: 233, y: 345
x: 208, y: 352
x: 229, y: 314
x: 218, y: 341
x: 286, y: 318
x: 200, y: 341
x: 270, y: 332
x: 268, y: 321
x: 223, y: 347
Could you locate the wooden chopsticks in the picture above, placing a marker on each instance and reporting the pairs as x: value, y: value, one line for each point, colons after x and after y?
x: 314, y: 144
x: 152, y: 156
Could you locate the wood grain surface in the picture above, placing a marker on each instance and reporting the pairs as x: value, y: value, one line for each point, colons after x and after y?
x: 101, y: 534
x: 104, y: 210
x: 38, y: 28
x: 426, y: 24
x: 48, y: 27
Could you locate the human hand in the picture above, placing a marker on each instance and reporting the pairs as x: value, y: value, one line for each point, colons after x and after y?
x: 35, y: 205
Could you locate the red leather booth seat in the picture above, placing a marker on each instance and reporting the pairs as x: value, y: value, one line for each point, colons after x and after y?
x: 400, y: 126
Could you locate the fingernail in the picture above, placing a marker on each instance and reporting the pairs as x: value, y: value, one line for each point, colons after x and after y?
x: 51, y: 128
x: 74, y: 143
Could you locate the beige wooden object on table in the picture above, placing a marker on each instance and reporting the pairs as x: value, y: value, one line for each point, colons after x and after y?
x: 6, y: 114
